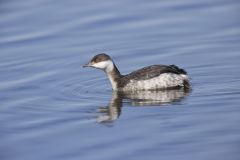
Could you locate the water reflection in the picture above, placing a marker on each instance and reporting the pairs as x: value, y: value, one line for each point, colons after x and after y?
x: 112, y: 111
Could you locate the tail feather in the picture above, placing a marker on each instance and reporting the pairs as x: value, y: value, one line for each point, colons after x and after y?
x: 186, y: 83
x: 179, y: 70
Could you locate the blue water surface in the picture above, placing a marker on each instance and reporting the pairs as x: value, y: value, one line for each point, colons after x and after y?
x: 52, y: 108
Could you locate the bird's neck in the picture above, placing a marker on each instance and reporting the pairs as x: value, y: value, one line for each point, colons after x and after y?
x: 114, y: 76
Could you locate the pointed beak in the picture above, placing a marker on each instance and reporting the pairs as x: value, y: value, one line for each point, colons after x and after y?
x: 87, y: 65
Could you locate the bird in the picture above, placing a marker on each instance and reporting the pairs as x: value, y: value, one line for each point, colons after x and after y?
x: 154, y: 77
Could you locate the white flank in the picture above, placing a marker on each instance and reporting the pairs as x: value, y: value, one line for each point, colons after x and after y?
x: 184, y: 76
x: 165, y: 80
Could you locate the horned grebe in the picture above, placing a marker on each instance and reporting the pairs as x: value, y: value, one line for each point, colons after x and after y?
x: 155, y: 77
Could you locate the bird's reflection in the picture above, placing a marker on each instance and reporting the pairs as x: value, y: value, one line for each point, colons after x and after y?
x: 112, y: 111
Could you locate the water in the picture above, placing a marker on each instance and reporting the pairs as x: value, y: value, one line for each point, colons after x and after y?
x: 52, y: 108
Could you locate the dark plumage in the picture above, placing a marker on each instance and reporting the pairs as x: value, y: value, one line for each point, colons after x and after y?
x: 153, y: 71
x: 100, y: 57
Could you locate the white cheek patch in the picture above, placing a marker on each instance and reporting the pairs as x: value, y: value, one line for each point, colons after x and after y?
x: 108, y: 65
x: 100, y: 65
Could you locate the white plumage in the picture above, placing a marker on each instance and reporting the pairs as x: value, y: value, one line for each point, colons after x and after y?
x: 165, y: 80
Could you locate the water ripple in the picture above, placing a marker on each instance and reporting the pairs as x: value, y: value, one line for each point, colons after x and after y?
x: 49, y: 100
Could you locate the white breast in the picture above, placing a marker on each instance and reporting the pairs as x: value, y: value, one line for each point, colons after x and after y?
x: 165, y: 80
